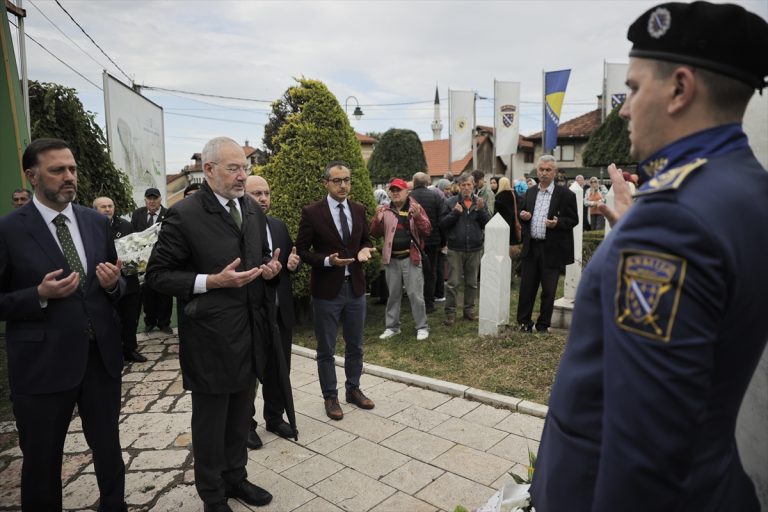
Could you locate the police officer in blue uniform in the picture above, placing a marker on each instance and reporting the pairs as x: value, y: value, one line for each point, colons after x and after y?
x: 670, y: 318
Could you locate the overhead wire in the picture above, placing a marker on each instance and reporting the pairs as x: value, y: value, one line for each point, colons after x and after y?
x: 94, y: 42
x: 26, y: 34
x: 65, y: 35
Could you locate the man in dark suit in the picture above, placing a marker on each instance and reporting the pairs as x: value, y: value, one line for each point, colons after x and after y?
x: 211, y: 254
x: 333, y: 239
x: 548, y: 214
x: 157, y: 306
x: 59, y: 278
x: 278, y: 238
x: 129, y: 305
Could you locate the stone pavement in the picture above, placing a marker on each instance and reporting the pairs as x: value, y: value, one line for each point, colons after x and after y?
x: 418, y: 450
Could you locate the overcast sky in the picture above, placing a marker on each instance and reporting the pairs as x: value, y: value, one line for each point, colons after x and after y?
x: 380, y: 52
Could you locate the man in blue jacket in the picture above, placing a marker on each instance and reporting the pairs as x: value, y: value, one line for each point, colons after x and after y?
x: 670, y: 317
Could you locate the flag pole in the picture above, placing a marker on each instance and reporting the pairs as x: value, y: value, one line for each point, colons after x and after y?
x: 474, y: 132
x: 450, y: 132
x: 543, y: 111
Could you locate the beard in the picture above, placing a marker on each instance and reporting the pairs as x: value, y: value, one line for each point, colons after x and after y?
x: 60, y: 196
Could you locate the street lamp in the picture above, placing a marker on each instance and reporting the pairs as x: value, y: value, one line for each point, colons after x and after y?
x: 358, y: 112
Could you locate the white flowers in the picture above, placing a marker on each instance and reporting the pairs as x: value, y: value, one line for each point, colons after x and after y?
x: 510, y: 498
x: 134, y: 249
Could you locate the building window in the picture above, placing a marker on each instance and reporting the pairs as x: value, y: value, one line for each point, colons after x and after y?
x: 564, y: 153
x: 528, y: 157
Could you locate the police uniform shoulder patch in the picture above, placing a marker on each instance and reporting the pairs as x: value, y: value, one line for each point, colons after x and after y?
x: 648, y: 292
x: 671, y: 179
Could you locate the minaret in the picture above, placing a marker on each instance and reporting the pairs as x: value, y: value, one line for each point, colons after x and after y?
x: 437, y: 125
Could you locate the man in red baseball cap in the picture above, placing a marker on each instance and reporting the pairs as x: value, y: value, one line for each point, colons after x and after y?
x: 404, y: 225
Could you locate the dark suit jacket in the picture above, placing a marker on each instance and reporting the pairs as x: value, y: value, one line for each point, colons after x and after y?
x: 48, y: 347
x: 222, y: 332
x: 319, y: 238
x: 139, y: 217
x: 558, y: 247
x: 282, y: 239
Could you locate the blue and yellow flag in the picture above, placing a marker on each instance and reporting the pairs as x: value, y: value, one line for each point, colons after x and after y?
x: 555, y: 83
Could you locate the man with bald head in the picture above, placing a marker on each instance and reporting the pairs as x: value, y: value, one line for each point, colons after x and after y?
x: 129, y: 305
x: 212, y: 254
x: 278, y: 238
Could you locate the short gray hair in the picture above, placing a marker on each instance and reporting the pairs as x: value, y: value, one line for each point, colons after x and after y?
x: 546, y: 158
x: 465, y: 176
x: 422, y: 179
x: 211, y: 149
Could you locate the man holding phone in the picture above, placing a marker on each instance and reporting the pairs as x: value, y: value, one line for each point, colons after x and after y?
x: 548, y: 215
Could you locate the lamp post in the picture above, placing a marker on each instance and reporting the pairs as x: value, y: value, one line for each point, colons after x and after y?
x: 358, y: 112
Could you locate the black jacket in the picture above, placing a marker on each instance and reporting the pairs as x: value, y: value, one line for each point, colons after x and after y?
x: 222, y: 332
x: 465, y: 231
x: 139, y: 217
x: 435, y: 209
x: 558, y: 245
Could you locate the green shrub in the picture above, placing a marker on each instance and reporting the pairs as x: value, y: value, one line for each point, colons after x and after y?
x: 316, y: 133
x: 589, y: 245
x: 398, y: 154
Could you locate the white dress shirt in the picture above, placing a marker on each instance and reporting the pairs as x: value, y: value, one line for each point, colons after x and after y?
x: 540, y: 211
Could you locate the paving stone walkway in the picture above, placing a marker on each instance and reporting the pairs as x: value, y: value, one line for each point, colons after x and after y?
x: 418, y: 450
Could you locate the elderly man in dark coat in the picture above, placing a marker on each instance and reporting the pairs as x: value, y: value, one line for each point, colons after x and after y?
x: 211, y: 255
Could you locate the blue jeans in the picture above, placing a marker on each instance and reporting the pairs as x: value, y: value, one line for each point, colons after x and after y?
x: 350, y: 312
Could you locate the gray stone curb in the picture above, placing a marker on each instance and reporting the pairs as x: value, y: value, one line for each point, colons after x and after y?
x: 478, y: 395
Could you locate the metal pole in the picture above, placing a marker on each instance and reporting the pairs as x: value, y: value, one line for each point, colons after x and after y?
x: 450, y: 132
x: 474, y: 133
x: 23, y: 62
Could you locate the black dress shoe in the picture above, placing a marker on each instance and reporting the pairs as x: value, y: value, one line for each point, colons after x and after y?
x: 282, y: 429
x: 148, y: 328
x: 134, y: 357
x: 167, y: 329
x: 217, y: 507
x: 254, y: 441
x: 249, y: 493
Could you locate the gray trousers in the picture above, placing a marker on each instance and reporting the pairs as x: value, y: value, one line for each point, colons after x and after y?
x: 399, y: 271
x: 349, y: 311
x: 462, y: 268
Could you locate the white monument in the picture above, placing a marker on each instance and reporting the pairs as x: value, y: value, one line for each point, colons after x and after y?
x: 563, y: 311
x: 495, y: 277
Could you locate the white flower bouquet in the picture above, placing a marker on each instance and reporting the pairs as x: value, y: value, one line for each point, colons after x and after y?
x: 134, y: 250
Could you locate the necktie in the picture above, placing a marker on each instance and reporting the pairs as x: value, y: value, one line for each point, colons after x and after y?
x: 344, y: 224
x: 68, y: 246
x: 234, y: 213
x: 151, y: 219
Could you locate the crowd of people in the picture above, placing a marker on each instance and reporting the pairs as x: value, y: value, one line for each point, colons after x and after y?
x: 665, y: 336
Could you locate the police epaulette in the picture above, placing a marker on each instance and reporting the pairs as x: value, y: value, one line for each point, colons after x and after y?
x: 670, y: 179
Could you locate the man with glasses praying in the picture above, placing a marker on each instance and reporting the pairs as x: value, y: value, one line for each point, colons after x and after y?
x: 212, y: 254
x: 333, y: 239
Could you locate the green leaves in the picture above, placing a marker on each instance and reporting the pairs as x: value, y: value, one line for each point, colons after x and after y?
x: 56, y: 111
x: 399, y: 154
x: 307, y: 129
x: 609, y: 144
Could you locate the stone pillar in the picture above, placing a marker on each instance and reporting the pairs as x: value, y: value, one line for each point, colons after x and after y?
x: 751, y: 428
x: 495, y: 277
x: 573, y: 271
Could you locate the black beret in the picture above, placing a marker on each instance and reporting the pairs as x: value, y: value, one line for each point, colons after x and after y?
x: 723, y: 38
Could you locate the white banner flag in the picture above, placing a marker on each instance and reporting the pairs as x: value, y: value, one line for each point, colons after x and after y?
x: 461, y: 106
x: 615, y: 89
x: 506, y: 116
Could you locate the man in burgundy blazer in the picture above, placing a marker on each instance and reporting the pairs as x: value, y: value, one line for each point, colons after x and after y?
x: 333, y: 239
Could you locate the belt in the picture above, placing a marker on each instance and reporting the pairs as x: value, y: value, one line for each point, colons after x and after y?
x: 347, y: 279
x: 400, y: 255
x: 538, y: 240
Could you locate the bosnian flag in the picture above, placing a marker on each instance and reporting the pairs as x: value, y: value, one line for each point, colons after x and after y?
x: 555, y: 83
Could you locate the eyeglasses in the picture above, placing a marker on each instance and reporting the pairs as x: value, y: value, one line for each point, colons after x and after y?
x: 339, y: 181
x: 394, y: 189
x: 235, y: 169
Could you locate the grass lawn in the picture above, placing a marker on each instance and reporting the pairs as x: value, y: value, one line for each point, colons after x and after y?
x: 513, y: 363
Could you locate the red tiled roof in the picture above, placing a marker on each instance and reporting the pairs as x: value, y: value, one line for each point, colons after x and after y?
x: 436, y: 153
x: 365, y: 139
x: 172, y: 177
x: 577, y: 128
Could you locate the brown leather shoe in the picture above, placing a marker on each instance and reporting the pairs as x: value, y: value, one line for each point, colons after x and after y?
x: 470, y: 315
x: 449, y: 319
x: 355, y: 396
x: 333, y: 409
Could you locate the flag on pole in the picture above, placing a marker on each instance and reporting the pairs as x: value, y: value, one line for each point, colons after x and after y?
x: 555, y: 83
x: 614, y: 87
x: 506, y: 105
x: 461, y: 106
